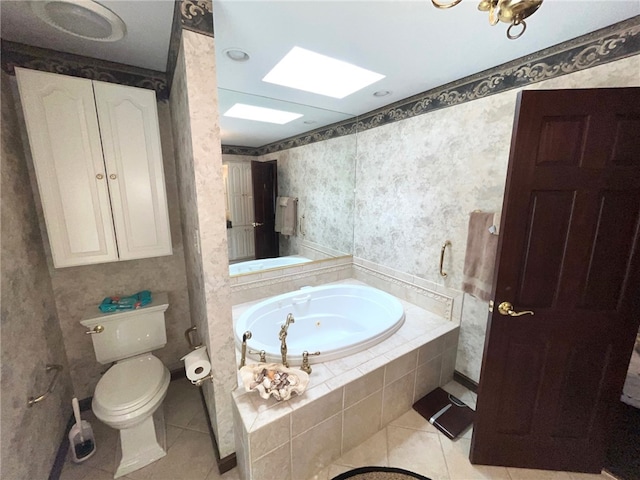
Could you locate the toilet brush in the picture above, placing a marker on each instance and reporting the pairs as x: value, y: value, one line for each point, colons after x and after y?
x: 81, y: 438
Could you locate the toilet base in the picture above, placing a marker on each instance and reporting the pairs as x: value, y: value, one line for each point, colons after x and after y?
x: 141, y: 445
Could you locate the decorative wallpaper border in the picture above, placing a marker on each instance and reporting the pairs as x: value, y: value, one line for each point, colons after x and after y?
x: 197, y: 16
x: 194, y: 15
x: 346, y: 127
x: 43, y: 59
x: 596, y: 48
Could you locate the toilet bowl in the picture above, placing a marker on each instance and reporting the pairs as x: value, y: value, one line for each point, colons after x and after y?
x: 129, y: 395
x: 126, y: 398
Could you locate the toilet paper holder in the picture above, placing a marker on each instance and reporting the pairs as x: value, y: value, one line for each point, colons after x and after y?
x: 187, y: 335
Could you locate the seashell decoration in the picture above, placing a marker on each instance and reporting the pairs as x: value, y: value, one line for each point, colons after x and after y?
x: 274, y: 379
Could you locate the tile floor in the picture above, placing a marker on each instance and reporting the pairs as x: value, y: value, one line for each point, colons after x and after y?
x: 409, y: 442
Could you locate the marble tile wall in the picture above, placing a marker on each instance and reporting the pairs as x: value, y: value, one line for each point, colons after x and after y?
x: 194, y: 109
x: 31, y: 334
x: 418, y: 179
x: 76, y: 288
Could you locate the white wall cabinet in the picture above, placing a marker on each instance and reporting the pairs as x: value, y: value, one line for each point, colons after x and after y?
x: 240, y: 203
x: 98, y: 163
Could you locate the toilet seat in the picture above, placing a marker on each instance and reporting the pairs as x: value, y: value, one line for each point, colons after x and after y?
x: 130, y: 390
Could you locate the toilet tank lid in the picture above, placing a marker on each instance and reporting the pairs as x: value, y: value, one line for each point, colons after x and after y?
x: 159, y: 302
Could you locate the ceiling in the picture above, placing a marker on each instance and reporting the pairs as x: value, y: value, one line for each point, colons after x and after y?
x: 416, y: 46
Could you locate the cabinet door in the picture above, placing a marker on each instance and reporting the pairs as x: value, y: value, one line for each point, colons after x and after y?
x: 131, y: 143
x: 63, y: 134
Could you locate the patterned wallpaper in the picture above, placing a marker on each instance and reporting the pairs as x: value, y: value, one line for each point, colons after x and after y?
x: 418, y: 179
x: 322, y: 176
x: 31, y: 335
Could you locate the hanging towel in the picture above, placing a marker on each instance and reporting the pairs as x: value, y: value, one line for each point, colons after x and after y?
x: 480, y: 257
x: 286, y: 214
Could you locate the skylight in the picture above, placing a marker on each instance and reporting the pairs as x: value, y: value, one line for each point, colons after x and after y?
x: 261, y: 114
x: 316, y: 73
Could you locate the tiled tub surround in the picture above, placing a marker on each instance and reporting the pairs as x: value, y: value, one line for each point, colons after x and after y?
x: 268, y: 283
x: 348, y: 400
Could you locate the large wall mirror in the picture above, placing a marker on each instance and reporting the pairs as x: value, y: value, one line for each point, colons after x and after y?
x: 294, y: 205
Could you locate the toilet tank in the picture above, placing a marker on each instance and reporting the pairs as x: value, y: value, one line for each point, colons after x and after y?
x: 128, y: 332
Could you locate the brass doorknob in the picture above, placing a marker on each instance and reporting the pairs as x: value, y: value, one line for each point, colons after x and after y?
x: 99, y: 176
x: 505, y: 308
x: 96, y: 329
x: 254, y: 224
x: 113, y: 176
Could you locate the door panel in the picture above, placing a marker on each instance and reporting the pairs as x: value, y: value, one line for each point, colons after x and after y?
x: 549, y: 216
x: 568, y: 251
x: 133, y: 157
x: 265, y: 191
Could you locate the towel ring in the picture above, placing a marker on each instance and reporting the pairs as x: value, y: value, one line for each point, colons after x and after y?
x: 442, y: 250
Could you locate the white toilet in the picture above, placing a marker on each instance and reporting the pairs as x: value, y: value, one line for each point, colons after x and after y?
x: 129, y: 394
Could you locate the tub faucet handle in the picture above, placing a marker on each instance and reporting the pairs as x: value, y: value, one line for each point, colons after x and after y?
x: 262, y: 353
x: 305, y: 361
x: 245, y: 336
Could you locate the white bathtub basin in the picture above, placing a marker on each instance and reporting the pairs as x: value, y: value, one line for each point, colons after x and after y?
x: 265, y: 263
x: 337, y: 320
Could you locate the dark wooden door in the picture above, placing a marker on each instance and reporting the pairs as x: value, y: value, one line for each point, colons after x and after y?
x: 569, y: 252
x: 264, y: 177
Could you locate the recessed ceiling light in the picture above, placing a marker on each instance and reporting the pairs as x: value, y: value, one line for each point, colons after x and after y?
x: 261, y: 114
x: 237, y: 55
x: 381, y: 93
x: 81, y: 18
x: 316, y: 73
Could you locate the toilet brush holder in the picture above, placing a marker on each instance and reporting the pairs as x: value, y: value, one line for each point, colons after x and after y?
x: 82, y: 443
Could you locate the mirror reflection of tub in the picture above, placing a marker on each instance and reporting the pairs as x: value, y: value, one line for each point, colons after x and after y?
x: 266, y: 263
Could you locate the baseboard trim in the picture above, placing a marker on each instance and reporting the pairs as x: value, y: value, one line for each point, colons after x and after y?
x: 465, y: 381
x: 230, y: 461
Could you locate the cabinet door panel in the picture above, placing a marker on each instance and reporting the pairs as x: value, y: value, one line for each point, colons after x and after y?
x: 131, y: 143
x: 65, y: 144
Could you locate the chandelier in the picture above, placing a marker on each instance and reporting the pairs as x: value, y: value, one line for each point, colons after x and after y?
x: 508, y: 11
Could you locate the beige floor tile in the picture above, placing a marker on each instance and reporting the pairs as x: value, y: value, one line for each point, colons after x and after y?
x: 182, y: 403
x: 456, y: 454
x: 530, y: 474
x: 191, y: 457
x: 173, y: 433
x: 82, y: 472
x: 336, y: 469
x: 371, y: 452
x: 417, y: 451
x: 414, y: 421
x: 214, y: 474
x: 199, y: 422
x: 322, y: 474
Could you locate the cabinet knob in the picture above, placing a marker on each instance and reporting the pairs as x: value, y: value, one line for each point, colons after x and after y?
x: 99, y: 176
x: 112, y: 176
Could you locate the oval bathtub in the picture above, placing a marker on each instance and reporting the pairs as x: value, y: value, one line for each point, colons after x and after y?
x: 337, y: 320
x: 265, y: 263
